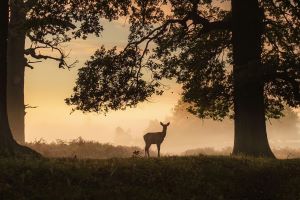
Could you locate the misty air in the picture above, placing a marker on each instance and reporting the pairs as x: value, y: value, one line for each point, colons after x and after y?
x: 150, y: 99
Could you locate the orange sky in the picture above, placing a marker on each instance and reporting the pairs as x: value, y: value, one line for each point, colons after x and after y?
x: 46, y: 86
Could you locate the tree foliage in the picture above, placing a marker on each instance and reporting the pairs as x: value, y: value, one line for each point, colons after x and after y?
x: 49, y: 24
x: 46, y: 27
x: 190, y: 41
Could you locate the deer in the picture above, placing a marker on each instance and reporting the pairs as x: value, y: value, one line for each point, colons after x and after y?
x: 155, y: 138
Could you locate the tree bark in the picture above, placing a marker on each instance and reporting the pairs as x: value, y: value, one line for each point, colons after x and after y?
x: 16, y: 71
x: 5, y: 133
x: 249, y: 107
x: 8, y: 146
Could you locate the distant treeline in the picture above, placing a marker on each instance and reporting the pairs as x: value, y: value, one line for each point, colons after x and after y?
x: 82, y: 149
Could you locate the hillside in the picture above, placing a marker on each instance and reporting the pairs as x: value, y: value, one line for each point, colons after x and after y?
x: 173, y: 178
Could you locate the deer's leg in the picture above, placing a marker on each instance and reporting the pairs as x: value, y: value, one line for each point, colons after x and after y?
x: 147, y: 150
x: 148, y: 153
x: 158, y: 150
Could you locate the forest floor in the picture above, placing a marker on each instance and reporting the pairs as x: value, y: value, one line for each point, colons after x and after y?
x: 190, y: 177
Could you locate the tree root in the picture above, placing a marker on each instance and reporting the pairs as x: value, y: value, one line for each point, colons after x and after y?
x: 16, y: 150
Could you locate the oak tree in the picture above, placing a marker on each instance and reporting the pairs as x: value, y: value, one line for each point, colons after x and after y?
x: 8, y: 146
x: 46, y: 26
x: 242, y: 62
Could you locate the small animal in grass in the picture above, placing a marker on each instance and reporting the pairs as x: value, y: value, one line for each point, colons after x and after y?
x: 155, y: 138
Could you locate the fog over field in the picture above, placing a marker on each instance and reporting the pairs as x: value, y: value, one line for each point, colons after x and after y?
x: 188, y: 132
x: 51, y: 119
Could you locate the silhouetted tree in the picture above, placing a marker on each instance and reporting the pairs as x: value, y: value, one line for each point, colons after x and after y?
x: 8, y: 146
x: 47, y: 25
x: 243, y: 62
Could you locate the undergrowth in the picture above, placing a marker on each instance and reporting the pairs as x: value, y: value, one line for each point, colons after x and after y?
x: 194, y: 177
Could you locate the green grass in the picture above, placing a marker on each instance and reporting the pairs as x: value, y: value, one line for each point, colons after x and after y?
x: 200, y: 177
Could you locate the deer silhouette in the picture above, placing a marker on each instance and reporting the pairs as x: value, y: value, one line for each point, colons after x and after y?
x: 155, y: 138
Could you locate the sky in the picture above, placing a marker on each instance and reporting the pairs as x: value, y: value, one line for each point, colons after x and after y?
x: 46, y: 87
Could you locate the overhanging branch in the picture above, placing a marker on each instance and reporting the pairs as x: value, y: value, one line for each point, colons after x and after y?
x: 294, y: 83
x: 32, y: 51
x: 36, y: 23
x: 195, y: 18
x: 287, y: 78
x: 191, y: 18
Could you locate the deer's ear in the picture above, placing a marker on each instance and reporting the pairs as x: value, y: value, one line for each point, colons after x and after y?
x: 168, y: 123
x: 161, y: 123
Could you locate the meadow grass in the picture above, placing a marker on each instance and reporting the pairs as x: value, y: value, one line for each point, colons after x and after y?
x: 186, y: 177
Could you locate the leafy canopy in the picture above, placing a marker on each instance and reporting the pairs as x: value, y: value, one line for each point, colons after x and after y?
x: 190, y: 41
x: 49, y: 24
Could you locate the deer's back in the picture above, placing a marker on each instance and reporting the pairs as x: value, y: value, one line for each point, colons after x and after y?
x: 154, y: 138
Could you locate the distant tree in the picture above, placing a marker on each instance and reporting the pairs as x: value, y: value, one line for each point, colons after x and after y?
x: 8, y: 146
x: 243, y: 63
x: 47, y: 25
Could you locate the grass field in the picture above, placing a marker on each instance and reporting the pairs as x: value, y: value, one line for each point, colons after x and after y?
x: 195, y: 177
x: 84, y: 149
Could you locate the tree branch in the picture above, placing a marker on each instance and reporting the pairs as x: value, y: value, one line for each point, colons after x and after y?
x: 35, y: 23
x: 285, y: 77
x: 32, y: 51
x: 194, y: 17
x: 294, y: 83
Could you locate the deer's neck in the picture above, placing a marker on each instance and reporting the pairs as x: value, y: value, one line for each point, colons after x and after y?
x: 164, y: 131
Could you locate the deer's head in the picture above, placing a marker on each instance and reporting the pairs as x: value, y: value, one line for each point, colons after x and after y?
x: 165, y: 125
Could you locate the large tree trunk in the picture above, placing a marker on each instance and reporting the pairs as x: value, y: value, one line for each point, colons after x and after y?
x: 16, y: 70
x: 250, y: 127
x: 6, y: 139
x: 8, y: 146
